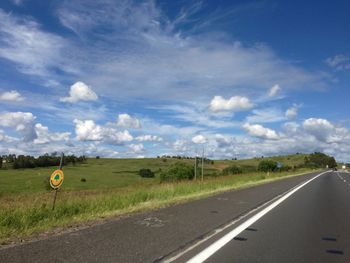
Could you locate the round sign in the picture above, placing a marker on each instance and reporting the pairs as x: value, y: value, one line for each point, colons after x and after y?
x: 56, y: 179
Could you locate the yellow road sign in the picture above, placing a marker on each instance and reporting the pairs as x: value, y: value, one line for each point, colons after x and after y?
x: 56, y: 179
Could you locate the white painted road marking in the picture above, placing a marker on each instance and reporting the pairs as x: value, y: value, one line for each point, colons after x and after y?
x: 213, y: 248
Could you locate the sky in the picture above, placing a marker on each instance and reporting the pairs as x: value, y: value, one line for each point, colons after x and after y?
x: 123, y: 78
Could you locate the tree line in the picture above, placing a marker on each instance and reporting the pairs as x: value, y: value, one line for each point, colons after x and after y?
x: 46, y: 160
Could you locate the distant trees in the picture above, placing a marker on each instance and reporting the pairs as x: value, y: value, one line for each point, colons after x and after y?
x: 232, y: 170
x: 267, y: 166
x: 319, y: 160
x: 178, y: 171
x: 146, y: 173
x: 46, y: 160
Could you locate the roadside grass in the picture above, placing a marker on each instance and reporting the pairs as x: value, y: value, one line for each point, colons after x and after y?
x: 112, y: 188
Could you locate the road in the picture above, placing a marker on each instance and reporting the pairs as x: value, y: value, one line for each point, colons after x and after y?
x: 311, y: 225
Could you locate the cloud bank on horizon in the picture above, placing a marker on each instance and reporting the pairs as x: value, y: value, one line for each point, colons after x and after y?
x: 147, y: 78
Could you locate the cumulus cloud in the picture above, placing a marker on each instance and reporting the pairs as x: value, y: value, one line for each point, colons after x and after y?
x: 199, y: 139
x: 88, y: 130
x: 274, y: 90
x: 136, y: 148
x: 79, y: 91
x: 149, y: 138
x: 44, y: 136
x: 320, y: 128
x: 257, y: 130
x: 22, y: 122
x: 292, y: 112
x: 182, y: 146
x: 234, y: 104
x: 126, y: 121
x: 12, y: 95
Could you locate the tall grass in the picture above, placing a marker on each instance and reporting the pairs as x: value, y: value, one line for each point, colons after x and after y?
x: 26, y: 214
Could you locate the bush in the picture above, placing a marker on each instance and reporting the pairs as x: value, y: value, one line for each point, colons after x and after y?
x: 177, y: 172
x: 319, y: 160
x: 146, y: 173
x: 267, y: 166
x: 83, y: 180
x: 232, y: 170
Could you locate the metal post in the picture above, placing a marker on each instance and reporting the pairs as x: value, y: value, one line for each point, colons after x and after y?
x: 202, y: 163
x: 55, y: 196
x: 195, y: 167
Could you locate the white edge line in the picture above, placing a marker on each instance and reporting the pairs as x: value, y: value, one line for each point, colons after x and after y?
x: 219, y: 230
x: 213, y: 248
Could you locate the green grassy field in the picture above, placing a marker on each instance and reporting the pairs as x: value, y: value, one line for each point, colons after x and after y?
x: 112, y: 187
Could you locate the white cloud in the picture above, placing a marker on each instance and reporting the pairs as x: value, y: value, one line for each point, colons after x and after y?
x: 234, y: 104
x: 143, y: 49
x: 114, y: 136
x: 79, y: 91
x: 257, y: 130
x: 136, y: 148
x: 339, y: 62
x: 44, y: 136
x: 88, y: 130
x: 35, y: 51
x: 197, y: 114
x: 182, y: 146
x: 22, y: 122
x: 126, y: 121
x: 274, y: 90
x: 149, y: 138
x: 199, y: 139
x: 266, y: 115
x: 12, y: 95
x: 320, y: 128
x: 292, y: 112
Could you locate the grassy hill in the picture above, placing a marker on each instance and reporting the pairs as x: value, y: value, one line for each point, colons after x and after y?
x: 115, y: 173
x: 108, y: 187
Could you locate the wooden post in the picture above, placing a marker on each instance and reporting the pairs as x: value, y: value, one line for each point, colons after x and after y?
x: 55, y: 196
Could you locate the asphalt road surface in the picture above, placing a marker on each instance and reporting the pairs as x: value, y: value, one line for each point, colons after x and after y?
x: 311, y: 224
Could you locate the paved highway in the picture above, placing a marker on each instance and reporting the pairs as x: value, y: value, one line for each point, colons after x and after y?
x: 310, y: 225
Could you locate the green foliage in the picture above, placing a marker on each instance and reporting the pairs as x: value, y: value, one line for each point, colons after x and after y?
x: 146, y: 173
x: 232, y: 170
x: 319, y: 160
x: 46, y: 160
x: 178, y: 171
x: 267, y: 166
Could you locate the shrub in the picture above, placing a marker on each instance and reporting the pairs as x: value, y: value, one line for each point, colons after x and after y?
x: 267, y: 166
x: 83, y: 180
x: 232, y: 170
x: 146, y: 173
x: 177, y: 172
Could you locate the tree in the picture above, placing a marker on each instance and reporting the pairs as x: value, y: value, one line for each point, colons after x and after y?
x: 146, y: 173
x: 267, y: 166
x: 232, y: 170
x: 177, y: 172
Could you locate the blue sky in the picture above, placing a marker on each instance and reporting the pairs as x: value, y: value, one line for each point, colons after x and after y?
x: 147, y: 78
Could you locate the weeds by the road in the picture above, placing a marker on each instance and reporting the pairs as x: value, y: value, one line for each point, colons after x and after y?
x: 24, y: 214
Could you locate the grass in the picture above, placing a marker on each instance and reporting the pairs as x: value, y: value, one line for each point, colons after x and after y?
x: 112, y: 187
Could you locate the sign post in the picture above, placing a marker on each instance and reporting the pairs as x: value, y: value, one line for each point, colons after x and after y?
x: 56, y: 180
